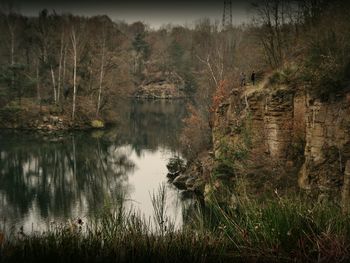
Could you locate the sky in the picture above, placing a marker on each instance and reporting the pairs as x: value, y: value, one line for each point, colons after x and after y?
x: 153, y: 12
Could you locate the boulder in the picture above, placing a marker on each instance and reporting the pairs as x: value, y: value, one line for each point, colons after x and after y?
x: 190, y: 182
x: 180, y: 181
x: 173, y: 175
x: 198, y: 186
x: 54, y: 119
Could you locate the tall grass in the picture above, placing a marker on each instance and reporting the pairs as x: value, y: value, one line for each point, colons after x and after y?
x: 117, y: 234
x: 274, y: 229
x: 283, y: 228
x: 163, y: 222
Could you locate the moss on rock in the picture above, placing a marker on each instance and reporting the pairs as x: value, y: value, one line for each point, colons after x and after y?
x: 98, y: 124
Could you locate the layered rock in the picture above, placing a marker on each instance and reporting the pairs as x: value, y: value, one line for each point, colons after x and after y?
x: 288, y: 129
x: 270, y: 117
x: 161, y: 86
x: 327, y: 144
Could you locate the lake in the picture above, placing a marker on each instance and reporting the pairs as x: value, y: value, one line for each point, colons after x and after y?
x: 65, y: 176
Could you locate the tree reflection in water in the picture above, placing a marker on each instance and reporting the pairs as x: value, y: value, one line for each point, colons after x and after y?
x: 56, y: 177
x: 61, y: 178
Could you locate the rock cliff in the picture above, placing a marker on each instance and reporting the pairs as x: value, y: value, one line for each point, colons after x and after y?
x: 161, y: 85
x: 287, y: 134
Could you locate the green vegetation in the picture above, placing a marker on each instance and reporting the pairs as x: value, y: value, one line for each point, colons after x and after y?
x: 285, y: 228
x: 267, y: 229
x: 231, y: 155
x: 97, y: 124
x: 286, y: 76
x: 327, y: 60
x: 176, y: 164
x: 77, y: 65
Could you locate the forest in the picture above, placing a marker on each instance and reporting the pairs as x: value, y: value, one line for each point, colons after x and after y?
x: 259, y: 136
x: 75, y: 65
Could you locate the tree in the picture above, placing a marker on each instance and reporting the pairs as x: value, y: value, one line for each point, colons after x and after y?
x: 103, y: 54
x: 142, y: 51
x: 17, y: 80
x: 74, y: 40
x: 275, y: 19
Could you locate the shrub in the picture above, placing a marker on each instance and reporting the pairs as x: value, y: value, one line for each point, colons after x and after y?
x: 195, y: 136
x: 97, y: 124
x: 176, y: 164
x: 285, y: 76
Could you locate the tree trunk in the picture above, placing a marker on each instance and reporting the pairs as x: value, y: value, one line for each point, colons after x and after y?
x: 64, y: 67
x: 38, y: 85
x: 74, y: 44
x: 53, y: 84
x: 12, y: 47
x: 60, y: 70
x: 101, y: 78
x: 12, y: 56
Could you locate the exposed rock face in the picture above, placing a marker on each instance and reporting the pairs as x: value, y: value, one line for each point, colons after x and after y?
x: 287, y: 127
x: 193, y: 178
x: 346, y: 189
x: 270, y: 116
x: 161, y: 86
x: 327, y: 144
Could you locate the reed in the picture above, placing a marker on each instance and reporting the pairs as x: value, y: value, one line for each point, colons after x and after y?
x: 272, y: 230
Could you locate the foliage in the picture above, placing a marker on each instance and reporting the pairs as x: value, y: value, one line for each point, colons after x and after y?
x: 176, y: 53
x: 226, y: 161
x: 327, y: 65
x: 176, y: 164
x: 231, y: 154
x: 220, y: 95
x: 97, y: 124
x: 273, y: 229
x: 117, y: 234
x: 140, y: 45
x: 286, y: 228
x: 286, y: 76
x: 195, y: 136
x: 296, y: 149
x: 16, y: 80
x: 190, y: 83
x: 11, y: 111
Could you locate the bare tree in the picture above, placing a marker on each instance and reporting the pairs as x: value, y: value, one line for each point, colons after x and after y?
x: 73, y: 37
x: 103, y: 52
x: 61, y: 59
x: 12, y: 21
x: 275, y: 18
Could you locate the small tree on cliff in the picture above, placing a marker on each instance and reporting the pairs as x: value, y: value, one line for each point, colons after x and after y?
x: 195, y: 136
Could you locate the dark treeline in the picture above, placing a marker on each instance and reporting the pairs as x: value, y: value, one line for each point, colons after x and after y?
x: 60, y: 59
x: 82, y: 62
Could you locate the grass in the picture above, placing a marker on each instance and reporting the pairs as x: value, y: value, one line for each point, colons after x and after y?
x: 267, y: 230
x: 285, y: 228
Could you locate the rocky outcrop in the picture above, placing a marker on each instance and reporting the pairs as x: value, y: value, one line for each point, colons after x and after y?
x: 39, y: 122
x: 161, y: 86
x: 327, y: 144
x: 30, y: 115
x: 346, y: 189
x: 192, y: 179
x: 269, y: 115
x: 290, y: 133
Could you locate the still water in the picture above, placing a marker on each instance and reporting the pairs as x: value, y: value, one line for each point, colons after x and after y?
x: 55, y: 178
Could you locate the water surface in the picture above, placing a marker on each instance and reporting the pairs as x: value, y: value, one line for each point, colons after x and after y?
x: 55, y: 178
